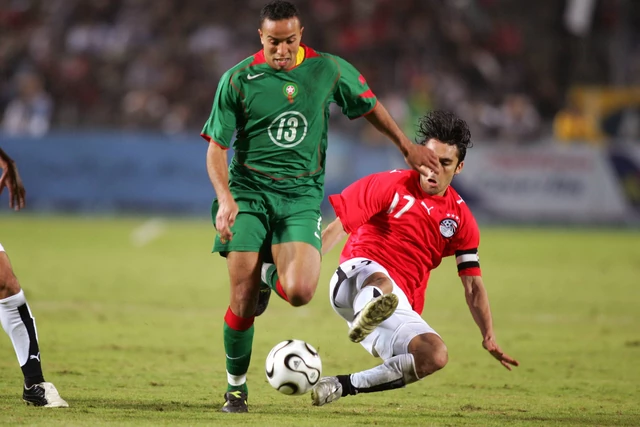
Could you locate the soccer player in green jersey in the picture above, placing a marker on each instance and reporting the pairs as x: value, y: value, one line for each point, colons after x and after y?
x: 268, y: 198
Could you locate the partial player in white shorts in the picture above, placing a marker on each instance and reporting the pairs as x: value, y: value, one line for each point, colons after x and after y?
x: 18, y: 322
x: 392, y: 336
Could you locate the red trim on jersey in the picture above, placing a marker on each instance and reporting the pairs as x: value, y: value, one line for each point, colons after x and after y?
x: 258, y: 58
x: 362, y: 80
x: 368, y: 112
x: 303, y: 59
x: 473, y: 271
x: 236, y: 322
x: 367, y: 94
x: 309, y: 52
x: 210, y: 140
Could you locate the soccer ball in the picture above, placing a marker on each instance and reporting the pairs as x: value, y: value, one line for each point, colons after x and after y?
x: 293, y: 367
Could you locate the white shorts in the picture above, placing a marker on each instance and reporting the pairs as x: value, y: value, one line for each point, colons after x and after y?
x: 1, y: 248
x: 393, y: 335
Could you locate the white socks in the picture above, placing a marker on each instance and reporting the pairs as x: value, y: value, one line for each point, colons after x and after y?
x: 15, y: 327
x: 395, y: 372
x: 264, y: 272
x: 236, y: 380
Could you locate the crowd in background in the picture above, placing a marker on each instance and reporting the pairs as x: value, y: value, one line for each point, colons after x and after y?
x: 505, y: 66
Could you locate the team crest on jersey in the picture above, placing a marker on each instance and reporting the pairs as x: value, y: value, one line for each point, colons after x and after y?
x: 290, y: 90
x: 448, y: 227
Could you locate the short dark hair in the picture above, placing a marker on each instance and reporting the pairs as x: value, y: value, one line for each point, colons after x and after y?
x: 446, y: 127
x: 278, y: 10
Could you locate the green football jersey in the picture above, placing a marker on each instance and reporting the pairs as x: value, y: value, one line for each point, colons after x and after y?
x: 281, y: 119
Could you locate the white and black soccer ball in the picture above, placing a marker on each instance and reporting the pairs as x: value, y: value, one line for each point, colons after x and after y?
x: 293, y: 367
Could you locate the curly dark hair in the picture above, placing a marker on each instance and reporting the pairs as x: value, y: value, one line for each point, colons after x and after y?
x: 277, y: 10
x: 446, y: 127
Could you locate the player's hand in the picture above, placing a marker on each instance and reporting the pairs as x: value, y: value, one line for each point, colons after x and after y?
x: 422, y: 159
x: 226, y: 217
x: 505, y: 360
x: 10, y: 178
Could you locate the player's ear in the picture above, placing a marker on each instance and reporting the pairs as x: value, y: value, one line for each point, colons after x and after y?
x: 301, y: 30
x: 260, y: 34
x: 459, y: 168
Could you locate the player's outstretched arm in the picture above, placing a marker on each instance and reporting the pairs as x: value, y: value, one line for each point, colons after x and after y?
x: 418, y: 157
x: 478, y: 302
x: 332, y: 235
x: 218, y: 170
x: 10, y: 178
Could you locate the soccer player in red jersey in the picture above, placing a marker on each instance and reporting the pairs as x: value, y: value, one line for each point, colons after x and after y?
x: 401, y: 224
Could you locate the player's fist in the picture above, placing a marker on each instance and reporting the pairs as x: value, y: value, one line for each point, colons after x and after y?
x: 226, y: 217
x: 422, y: 159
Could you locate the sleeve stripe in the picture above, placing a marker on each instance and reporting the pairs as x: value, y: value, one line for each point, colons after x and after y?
x: 460, y: 259
x: 467, y: 251
x: 466, y: 265
x: 211, y: 140
x: 367, y: 94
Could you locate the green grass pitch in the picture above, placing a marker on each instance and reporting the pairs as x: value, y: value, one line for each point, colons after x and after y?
x: 129, y: 316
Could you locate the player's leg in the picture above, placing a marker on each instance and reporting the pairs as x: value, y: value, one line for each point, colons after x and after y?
x: 410, y: 348
x: 20, y: 325
x: 238, y: 329
x: 243, y: 264
x: 296, y: 249
x: 425, y: 354
x: 369, y: 294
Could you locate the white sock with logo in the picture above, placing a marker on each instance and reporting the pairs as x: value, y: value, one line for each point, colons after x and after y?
x: 20, y: 325
x: 14, y: 325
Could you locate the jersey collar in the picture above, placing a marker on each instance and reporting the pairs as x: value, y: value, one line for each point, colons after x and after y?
x: 304, y: 52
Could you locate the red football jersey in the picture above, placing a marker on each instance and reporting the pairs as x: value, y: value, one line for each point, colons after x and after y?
x: 393, y: 221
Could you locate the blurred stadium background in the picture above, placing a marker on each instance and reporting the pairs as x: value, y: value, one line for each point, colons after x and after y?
x: 102, y: 101
x: 101, y: 106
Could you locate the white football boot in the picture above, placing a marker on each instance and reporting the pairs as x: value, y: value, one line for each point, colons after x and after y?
x: 43, y: 394
x: 326, y: 391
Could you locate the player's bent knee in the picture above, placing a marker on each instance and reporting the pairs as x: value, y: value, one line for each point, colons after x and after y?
x: 439, y: 358
x: 300, y: 292
x: 427, y: 364
x: 430, y: 354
